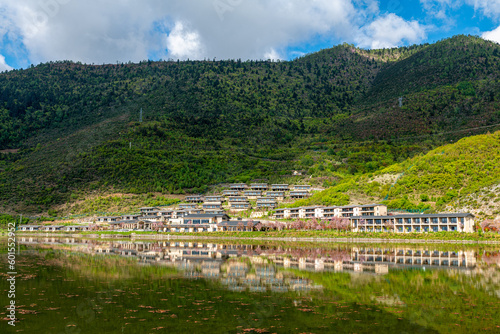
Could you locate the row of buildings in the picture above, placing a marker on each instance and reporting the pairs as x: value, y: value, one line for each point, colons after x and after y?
x: 238, y: 196
x: 177, y: 221
x: 375, y: 218
x: 369, y: 218
x: 320, y: 212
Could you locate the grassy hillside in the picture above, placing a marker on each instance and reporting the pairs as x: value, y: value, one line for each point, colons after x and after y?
x: 460, y: 176
x: 333, y: 113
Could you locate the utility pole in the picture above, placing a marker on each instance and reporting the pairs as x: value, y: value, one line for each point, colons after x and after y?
x: 140, y: 117
x: 400, y: 102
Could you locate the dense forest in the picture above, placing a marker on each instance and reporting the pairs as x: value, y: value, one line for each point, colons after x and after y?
x: 339, y: 112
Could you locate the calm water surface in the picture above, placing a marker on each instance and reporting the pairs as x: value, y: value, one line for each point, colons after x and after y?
x: 91, y: 286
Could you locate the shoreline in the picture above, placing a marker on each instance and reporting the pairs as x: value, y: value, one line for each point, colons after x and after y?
x: 277, y: 239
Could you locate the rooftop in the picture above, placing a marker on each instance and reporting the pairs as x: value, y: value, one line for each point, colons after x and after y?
x: 206, y: 215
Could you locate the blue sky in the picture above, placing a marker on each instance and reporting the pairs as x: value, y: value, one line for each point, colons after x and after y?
x: 108, y: 31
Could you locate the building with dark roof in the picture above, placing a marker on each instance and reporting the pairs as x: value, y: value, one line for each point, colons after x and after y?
x: 194, y: 199
x: 259, y: 186
x: 237, y: 225
x: 279, y: 187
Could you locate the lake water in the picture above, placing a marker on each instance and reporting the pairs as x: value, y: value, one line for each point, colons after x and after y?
x: 91, y: 286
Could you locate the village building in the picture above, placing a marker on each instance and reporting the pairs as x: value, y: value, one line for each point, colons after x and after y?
x: 278, y: 195
x: 298, y: 187
x: 212, y: 205
x: 460, y: 222
x: 197, y: 223
x: 140, y: 224
x: 52, y: 228
x: 108, y: 219
x: 237, y: 225
x: 279, y: 214
x: 266, y: 203
x: 309, y: 212
x: 279, y: 187
x: 252, y: 194
x: 30, y: 228
x: 194, y: 199
x: 167, y: 214
x: 214, y: 198
x: 230, y: 192
x: 213, y: 211
x: 129, y: 217
x: 332, y: 211
x: 149, y: 209
x: 259, y: 186
x: 237, y: 199
x: 75, y: 228
x: 188, y: 206
x: 204, y: 219
x: 239, y: 206
x: 238, y: 186
x: 180, y: 214
x: 152, y: 218
x: 299, y: 194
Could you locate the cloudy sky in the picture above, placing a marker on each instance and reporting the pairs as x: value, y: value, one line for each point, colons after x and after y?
x: 105, y: 31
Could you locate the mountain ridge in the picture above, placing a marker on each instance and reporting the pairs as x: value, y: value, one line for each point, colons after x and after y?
x: 205, y: 122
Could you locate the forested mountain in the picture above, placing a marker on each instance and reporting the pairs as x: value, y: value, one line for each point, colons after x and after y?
x: 206, y: 122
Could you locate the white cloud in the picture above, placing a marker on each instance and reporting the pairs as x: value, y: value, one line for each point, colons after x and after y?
x: 3, y: 65
x: 183, y: 44
x: 272, y: 55
x: 493, y: 35
x: 106, y: 31
x: 441, y: 8
x: 390, y: 31
x: 489, y: 8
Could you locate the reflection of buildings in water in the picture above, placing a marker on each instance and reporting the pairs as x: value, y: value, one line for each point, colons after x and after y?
x: 400, y: 257
x: 223, y: 262
x: 200, y: 260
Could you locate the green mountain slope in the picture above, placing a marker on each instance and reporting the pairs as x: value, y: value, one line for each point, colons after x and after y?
x: 465, y: 174
x: 77, y: 126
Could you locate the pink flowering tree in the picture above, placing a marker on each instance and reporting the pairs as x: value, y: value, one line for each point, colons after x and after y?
x: 93, y: 227
x: 490, y: 225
